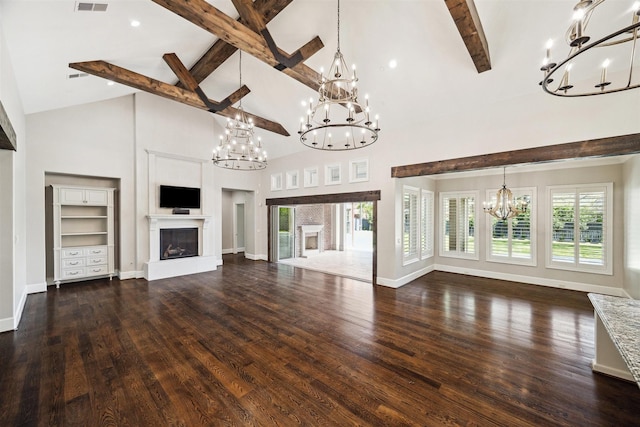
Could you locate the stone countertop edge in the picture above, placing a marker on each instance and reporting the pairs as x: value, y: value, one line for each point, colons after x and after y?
x: 621, y: 318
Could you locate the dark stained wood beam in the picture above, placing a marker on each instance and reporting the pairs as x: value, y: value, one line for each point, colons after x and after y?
x: 220, y: 51
x: 466, y: 17
x: 233, y: 32
x: 603, y: 147
x: 358, y: 196
x: 8, y: 138
x: 187, y: 80
x: 250, y: 15
x: 138, y: 81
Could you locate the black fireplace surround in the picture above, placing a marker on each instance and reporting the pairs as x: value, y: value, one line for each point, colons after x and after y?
x: 178, y: 243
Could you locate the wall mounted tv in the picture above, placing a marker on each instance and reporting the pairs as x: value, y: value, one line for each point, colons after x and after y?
x: 179, y: 197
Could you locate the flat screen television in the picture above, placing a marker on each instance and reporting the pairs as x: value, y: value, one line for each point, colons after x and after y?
x: 179, y: 197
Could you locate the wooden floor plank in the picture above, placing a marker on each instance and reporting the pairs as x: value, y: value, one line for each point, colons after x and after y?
x: 259, y: 344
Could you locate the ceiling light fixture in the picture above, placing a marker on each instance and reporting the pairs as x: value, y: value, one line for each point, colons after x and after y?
x: 578, y: 41
x: 338, y: 121
x: 238, y: 148
x: 504, y: 207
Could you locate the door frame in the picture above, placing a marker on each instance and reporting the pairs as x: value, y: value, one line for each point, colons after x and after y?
x: 236, y: 249
x: 360, y: 196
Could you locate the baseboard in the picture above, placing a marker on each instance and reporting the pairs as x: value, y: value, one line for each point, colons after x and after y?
x: 396, y: 283
x: 219, y: 262
x: 613, y: 372
x: 227, y: 251
x: 256, y: 257
x: 36, y: 288
x: 541, y: 281
x: 7, y: 324
x: 626, y: 294
x: 126, y: 275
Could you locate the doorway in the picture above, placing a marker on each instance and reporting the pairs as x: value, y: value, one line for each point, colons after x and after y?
x: 334, y: 233
x: 238, y: 228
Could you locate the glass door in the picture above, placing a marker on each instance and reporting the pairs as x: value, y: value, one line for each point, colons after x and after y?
x: 286, y: 233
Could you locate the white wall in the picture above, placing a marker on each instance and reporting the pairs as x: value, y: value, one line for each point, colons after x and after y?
x: 631, y: 173
x: 13, y: 289
x: 94, y: 140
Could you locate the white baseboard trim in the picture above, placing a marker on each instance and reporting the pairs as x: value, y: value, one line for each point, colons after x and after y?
x: 18, y: 313
x: 396, y: 283
x: 219, y: 262
x: 626, y: 294
x: 541, y: 281
x: 126, y: 275
x: 256, y: 257
x: 36, y: 288
x: 613, y: 372
x: 227, y: 251
x: 7, y: 324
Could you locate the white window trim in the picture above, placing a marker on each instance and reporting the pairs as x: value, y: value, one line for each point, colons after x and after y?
x: 311, y: 177
x: 429, y: 253
x: 412, y: 257
x: 276, y: 182
x: 327, y: 174
x: 457, y: 254
x: 489, y: 222
x: 291, y: 175
x: 607, y: 268
x: 353, y: 167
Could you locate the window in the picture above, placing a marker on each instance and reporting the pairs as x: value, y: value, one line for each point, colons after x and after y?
x: 410, y: 230
x: 458, y: 236
x: 580, y: 218
x: 311, y: 177
x: 292, y: 179
x: 417, y: 224
x: 426, y: 224
x: 513, y: 241
x: 359, y: 170
x: 276, y: 182
x: 332, y: 174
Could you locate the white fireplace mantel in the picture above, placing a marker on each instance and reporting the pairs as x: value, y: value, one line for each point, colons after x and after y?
x: 160, y: 269
x: 311, y: 230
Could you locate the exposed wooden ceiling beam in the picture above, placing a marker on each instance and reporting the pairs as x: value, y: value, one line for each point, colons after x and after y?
x: 603, y: 147
x: 466, y: 17
x: 220, y: 51
x: 138, y: 81
x: 233, y: 32
x: 8, y: 139
x: 187, y: 80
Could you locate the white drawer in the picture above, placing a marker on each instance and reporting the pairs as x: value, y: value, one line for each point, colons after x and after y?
x: 96, y: 260
x: 73, y: 263
x: 72, y: 253
x: 97, y: 270
x: 99, y: 250
x: 72, y: 273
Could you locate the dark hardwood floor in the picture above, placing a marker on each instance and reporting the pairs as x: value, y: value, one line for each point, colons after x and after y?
x: 265, y: 344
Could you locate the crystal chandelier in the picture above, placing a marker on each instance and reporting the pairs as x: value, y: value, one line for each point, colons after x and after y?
x: 238, y: 148
x: 504, y: 207
x: 578, y: 39
x: 338, y: 121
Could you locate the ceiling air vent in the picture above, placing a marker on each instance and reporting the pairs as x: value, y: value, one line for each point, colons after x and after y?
x: 77, y: 75
x: 91, y: 7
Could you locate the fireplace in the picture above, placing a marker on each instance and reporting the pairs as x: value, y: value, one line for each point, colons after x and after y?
x: 311, y: 239
x: 178, y: 243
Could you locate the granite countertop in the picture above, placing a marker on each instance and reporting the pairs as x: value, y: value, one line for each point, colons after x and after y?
x: 621, y: 317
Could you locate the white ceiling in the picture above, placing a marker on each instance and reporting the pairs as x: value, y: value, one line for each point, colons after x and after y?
x: 434, y: 77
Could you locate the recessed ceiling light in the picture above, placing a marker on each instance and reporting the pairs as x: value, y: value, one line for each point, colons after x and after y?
x: 393, y: 64
x: 110, y: 83
x: 135, y: 23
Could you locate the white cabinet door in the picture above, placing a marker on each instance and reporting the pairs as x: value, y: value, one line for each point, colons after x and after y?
x: 95, y: 197
x: 71, y: 196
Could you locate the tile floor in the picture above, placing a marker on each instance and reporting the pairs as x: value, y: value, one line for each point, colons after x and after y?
x: 354, y: 264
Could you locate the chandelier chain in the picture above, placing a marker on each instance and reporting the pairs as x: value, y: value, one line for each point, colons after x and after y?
x: 338, y: 25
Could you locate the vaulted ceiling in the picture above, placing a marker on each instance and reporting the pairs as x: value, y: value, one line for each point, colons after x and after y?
x: 451, y: 55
